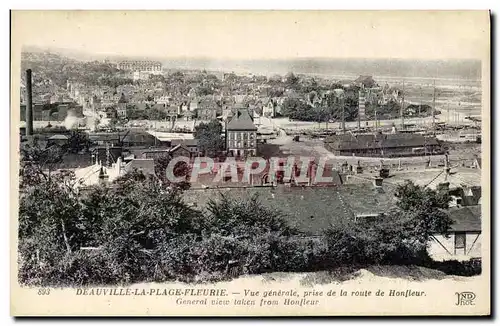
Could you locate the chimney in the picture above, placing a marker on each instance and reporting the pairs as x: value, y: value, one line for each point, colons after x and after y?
x: 446, y: 166
x: 443, y: 187
x: 103, y: 177
x: 378, y: 182
x: 29, y: 104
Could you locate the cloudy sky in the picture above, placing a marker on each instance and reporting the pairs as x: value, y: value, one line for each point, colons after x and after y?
x: 258, y: 35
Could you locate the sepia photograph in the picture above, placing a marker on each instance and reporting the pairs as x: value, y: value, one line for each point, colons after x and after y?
x: 250, y: 163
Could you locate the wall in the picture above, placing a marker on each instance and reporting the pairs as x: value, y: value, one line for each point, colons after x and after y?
x: 437, y: 252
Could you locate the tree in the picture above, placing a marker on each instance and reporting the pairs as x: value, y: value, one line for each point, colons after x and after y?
x: 77, y: 141
x: 129, y: 222
x: 209, y: 137
x: 424, y: 210
x: 38, y: 163
x: 400, y: 235
x: 181, y: 169
x: 292, y: 81
x: 298, y: 110
x: 48, y: 208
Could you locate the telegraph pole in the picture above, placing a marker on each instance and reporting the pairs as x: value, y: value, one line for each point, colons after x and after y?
x: 420, y: 106
x: 434, y: 105
x: 403, y: 107
x: 343, y: 114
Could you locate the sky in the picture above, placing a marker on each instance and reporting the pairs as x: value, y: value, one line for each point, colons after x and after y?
x: 247, y: 35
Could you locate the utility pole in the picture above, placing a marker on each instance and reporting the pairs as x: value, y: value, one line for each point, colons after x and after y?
x: 155, y: 133
x: 343, y: 114
x: 108, y: 163
x: 359, y: 110
x: 448, y: 114
x: 403, y: 107
x: 434, y: 105
x: 420, y: 106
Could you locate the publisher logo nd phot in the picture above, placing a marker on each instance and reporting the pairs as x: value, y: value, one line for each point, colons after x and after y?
x: 465, y: 298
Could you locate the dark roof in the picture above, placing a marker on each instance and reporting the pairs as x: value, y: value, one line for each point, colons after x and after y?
x: 311, y: 209
x: 207, y: 103
x: 177, y: 147
x: 365, y: 141
x: 471, y: 195
x: 466, y: 218
x: 186, y: 142
x: 147, y: 166
x: 159, y: 106
x: 122, y: 99
x: 241, y: 121
x: 137, y: 136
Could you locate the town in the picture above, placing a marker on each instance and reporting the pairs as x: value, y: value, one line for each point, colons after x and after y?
x: 364, y: 139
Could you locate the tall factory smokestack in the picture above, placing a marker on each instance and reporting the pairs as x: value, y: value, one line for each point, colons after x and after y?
x: 29, y: 104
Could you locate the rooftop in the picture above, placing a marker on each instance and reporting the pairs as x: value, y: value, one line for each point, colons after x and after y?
x: 458, y: 177
x: 241, y: 121
x: 466, y: 218
x: 365, y: 141
x: 147, y: 166
x: 311, y: 209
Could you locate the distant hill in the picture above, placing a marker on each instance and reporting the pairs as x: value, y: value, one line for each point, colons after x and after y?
x: 454, y: 69
x: 459, y: 69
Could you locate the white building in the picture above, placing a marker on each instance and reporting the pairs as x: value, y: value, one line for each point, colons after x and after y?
x: 464, y: 240
x: 152, y: 67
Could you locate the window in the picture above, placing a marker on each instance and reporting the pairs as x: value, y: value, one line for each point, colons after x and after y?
x: 459, y: 242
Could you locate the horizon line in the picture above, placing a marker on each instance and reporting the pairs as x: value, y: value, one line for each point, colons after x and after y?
x: 60, y: 50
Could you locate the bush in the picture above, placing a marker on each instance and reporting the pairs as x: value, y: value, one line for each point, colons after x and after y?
x: 469, y: 267
x: 146, y: 233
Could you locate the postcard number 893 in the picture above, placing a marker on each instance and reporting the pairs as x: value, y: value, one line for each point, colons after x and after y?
x: 43, y: 291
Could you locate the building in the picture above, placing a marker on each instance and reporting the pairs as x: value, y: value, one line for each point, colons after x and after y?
x: 121, y: 107
x: 179, y: 149
x: 144, y: 165
x: 241, y: 134
x: 477, y: 163
x: 52, y: 111
x: 165, y: 99
x: 464, y: 240
x: 153, y: 67
x: 190, y: 144
x: 129, y: 138
x: 311, y: 209
x: 383, y: 145
x: 207, y: 110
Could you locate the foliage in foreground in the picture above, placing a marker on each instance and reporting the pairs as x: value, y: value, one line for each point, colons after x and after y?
x: 139, y: 230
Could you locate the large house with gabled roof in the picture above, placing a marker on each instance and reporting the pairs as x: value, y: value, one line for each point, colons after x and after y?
x: 241, y: 133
